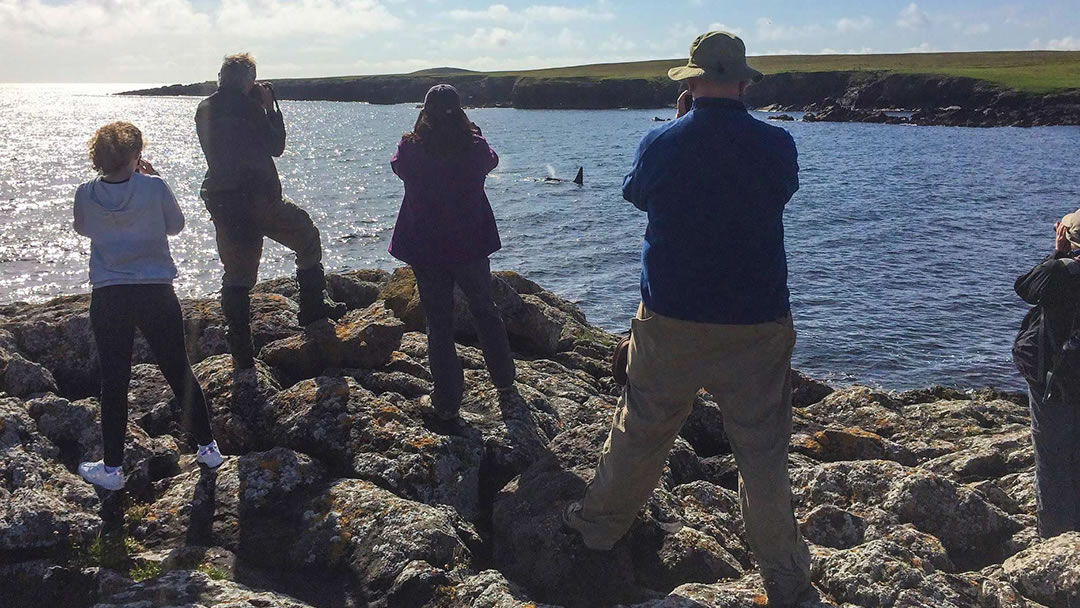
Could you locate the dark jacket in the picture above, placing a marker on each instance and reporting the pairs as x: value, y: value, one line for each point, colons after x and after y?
x: 239, y: 140
x: 1054, y: 287
x: 715, y: 183
x: 445, y: 216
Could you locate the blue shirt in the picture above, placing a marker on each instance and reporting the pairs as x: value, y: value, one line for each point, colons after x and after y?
x: 714, y: 184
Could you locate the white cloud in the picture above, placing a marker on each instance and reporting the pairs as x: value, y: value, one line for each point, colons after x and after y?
x: 485, y: 38
x: 913, y: 18
x: 720, y: 27
x: 1068, y: 43
x: 767, y: 30
x: 286, y: 18
x: 863, y: 51
x: 565, y: 14
x: 617, y: 43
x: 545, y: 13
x: 91, y: 20
x: 854, y: 24
x: 495, y: 12
x: 569, y: 40
x: 922, y: 48
x: 683, y: 32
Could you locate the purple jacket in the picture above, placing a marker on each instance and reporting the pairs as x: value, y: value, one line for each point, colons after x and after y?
x: 445, y: 217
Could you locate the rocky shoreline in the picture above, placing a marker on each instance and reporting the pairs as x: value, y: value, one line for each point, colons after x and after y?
x: 841, y: 96
x: 339, y: 489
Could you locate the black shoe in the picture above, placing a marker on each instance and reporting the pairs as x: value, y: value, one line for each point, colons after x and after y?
x: 236, y: 307
x: 442, y: 414
x: 314, y: 303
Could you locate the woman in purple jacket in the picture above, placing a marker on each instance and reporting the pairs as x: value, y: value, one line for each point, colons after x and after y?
x: 446, y: 231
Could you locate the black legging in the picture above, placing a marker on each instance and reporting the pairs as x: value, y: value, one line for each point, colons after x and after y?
x: 115, y: 312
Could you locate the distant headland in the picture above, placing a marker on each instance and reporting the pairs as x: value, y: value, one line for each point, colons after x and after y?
x: 1006, y: 88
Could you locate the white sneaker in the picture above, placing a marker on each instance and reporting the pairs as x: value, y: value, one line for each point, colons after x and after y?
x: 95, y: 473
x: 210, y: 455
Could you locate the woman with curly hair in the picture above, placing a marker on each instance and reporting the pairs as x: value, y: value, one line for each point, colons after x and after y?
x: 128, y: 212
x: 446, y: 231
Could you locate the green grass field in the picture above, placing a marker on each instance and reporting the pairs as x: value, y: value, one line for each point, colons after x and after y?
x: 1032, y: 71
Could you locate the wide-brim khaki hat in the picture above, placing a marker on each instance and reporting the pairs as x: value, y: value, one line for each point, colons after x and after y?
x: 719, y: 57
x: 1071, y: 222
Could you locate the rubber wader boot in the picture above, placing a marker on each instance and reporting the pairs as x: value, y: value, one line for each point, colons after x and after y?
x: 314, y: 304
x: 236, y: 306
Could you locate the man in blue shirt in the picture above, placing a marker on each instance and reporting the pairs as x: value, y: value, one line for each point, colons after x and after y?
x: 714, y: 313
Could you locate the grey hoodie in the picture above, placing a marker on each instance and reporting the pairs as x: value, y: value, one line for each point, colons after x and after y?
x: 128, y: 225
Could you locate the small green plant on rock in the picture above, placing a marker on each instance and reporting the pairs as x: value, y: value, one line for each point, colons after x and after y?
x: 215, y: 573
x: 145, y: 571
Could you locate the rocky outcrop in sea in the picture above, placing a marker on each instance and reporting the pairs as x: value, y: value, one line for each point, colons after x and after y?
x: 341, y: 489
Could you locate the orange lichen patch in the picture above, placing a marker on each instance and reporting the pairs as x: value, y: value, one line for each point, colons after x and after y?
x: 270, y: 464
x: 422, y: 442
x: 337, y: 549
x: 761, y: 600
x: 343, y: 330
x: 806, y: 442
x: 915, y: 561
x: 387, y: 414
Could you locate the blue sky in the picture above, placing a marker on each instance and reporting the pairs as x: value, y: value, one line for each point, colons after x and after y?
x: 151, y: 41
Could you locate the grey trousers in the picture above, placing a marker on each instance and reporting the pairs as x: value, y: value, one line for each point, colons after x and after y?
x: 436, y: 286
x: 241, y: 221
x: 1055, y: 433
x: 747, y: 370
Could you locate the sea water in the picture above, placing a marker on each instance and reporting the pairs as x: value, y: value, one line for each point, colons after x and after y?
x: 903, y: 242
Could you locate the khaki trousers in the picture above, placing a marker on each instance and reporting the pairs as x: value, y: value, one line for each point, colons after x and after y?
x: 242, y: 220
x: 747, y: 370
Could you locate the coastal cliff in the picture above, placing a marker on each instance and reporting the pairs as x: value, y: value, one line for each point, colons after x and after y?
x: 933, y: 99
x: 340, y: 489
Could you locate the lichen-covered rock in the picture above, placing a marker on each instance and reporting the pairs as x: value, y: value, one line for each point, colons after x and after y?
x: 43, y: 507
x: 1049, y: 571
x: 906, y: 568
x: 193, y: 588
x: 401, y: 296
x: 987, y: 457
x: 362, y: 339
x: 691, y: 533
x: 273, y: 317
x: 356, y: 288
x: 831, y: 526
x: 76, y: 429
x: 357, y: 433
x: 43, y: 583
x: 238, y: 401
x: 357, y: 528
x: 746, y: 592
x: 246, y: 505
x: 887, y: 493
x: 487, y: 589
x: 806, y: 391
x: 704, y: 428
x: 852, y: 443
x: 57, y: 334
x: 23, y: 378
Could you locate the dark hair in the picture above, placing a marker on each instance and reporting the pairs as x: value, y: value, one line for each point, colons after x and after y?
x: 443, y: 133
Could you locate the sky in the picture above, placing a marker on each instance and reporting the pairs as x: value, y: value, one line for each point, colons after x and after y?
x: 170, y: 41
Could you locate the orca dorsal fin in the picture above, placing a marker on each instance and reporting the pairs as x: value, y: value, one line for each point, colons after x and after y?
x: 579, y: 179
